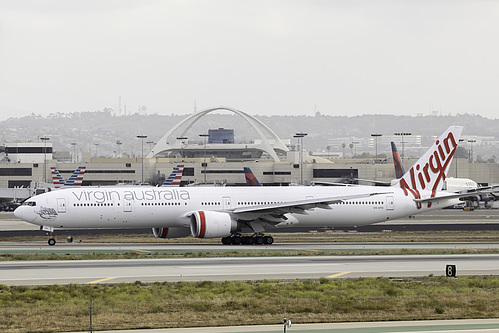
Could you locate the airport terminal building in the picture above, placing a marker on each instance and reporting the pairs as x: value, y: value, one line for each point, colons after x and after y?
x: 214, y: 157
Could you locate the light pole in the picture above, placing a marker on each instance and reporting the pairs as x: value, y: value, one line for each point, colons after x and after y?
x: 119, y: 143
x: 74, y: 151
x: 96, y: 145
x: 300, y: 136
x: 142, y: 137
x: 45, y: 139
x: 402, y: 134
x: 457, y: 159
x: 376, y: 135
x: 204, y: 163
x: 355, y: 143
x: 472, y: 158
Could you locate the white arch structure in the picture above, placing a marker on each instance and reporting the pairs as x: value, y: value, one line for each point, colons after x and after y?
x: 260, y: 128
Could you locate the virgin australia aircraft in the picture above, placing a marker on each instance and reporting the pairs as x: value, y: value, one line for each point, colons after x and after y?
x: 212, y: 212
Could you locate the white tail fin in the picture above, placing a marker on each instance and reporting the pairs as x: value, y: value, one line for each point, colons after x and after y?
x: 430, y: 171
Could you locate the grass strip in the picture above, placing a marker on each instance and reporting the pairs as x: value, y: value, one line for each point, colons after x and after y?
x: 454, y: 236
x: 94, y: 255
x: 183, y: 304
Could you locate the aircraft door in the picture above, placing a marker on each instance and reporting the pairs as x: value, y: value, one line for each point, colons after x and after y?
x: 61, y: 205
x: 226, y: 202
x: 389, y: 203
x: 127, y: 205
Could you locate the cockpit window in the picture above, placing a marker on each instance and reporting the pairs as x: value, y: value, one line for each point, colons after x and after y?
x: 29, y: 203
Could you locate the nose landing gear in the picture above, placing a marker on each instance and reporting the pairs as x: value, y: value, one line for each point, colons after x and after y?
x: 50, y: 232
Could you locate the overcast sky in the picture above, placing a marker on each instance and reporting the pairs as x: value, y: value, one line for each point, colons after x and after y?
x: 263, y: 57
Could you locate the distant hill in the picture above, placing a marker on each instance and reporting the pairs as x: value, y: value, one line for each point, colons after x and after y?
x: 104, y: 128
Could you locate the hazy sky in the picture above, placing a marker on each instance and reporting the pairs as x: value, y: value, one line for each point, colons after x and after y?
x: 263, y: 57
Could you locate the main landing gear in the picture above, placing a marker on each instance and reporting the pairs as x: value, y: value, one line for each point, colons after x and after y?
x: 254, y: 239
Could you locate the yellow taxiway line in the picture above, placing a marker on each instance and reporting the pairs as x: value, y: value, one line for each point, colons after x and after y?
x: 101, y: 280
x: 336, y: 275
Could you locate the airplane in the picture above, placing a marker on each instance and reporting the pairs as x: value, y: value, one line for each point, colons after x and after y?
x: 75, y: 180
x: 397, y: 161
x: 175, y: 177
x: 450, y: 184
x: 250, y: 178
x: 225, y: 212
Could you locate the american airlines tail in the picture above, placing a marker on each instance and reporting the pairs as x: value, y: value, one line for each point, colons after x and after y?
x: 76, y: 178
x: 56, y: 177
x: 175, y: 177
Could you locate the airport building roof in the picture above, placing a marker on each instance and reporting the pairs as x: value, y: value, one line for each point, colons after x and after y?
x: 178, y: 141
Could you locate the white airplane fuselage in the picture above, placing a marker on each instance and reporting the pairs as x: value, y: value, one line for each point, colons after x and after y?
x: 157, y: 207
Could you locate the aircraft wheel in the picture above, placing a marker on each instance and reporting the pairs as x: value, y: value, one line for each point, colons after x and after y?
x: 250, y: 240
x: 259, y: 240
x: 51, y: 241
x: 268, y: 240
x: 236, y: 240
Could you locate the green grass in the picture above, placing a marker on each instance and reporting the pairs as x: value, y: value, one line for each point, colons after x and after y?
x: 318, y: 237
x: 183, y: 304
x: 93, y: 255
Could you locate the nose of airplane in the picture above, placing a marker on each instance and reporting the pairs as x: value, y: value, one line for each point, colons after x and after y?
x: 19, y: 212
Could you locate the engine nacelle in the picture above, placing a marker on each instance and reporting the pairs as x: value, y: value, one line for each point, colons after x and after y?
x: 171, y: 232
x: 208, y: 224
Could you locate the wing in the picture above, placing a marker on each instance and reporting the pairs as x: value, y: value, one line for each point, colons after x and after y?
x: 278, y: 210
x: 462, y: 194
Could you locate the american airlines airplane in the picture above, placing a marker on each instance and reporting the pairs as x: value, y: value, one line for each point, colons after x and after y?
x: 213, y: 212
x: 75, y: 180
x: 175, y: 177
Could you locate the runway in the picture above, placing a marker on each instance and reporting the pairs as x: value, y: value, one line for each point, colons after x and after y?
x: 253, y: 268
x: 422, y: 326
x: 73, y: 248
x: 246, y: 268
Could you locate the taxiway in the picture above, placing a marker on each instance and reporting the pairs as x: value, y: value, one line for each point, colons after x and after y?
x: 253, y: 268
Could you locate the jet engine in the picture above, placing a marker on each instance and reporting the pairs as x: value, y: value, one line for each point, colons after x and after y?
x: 171, y: 232
x: 208, y: 224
